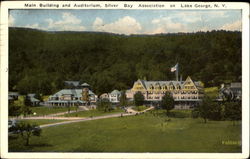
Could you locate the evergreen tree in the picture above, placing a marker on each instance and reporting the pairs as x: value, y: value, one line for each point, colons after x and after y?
x: 14, y: 110
x: 25, y: 109
x: 138, y: 99
x: 204, y: 108
x: 104, y: 105
x: 167, y: 102
x: 123, y: 99
x: 233, y: 111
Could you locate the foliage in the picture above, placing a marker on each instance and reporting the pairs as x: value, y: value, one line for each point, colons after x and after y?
x: 14, y: 110
x: 138, y: 99
x: 212, y: 92
x: 205, y: 107
x: 123, y: 99
x: 25, y: 109
x: 104, y: 105
x: 213, y: 110
x: 233, y: 110
x: 195, y: 112
x: 39, y: 97
x: 26, y: 130
x: 68, y: 106
x: 209, y: 109
x: 27, y: 101
x: 216, y: 111
x: 167, y: 102
x: 40, y: 61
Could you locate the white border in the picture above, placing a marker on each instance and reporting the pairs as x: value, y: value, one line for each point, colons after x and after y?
x: 5, y: 6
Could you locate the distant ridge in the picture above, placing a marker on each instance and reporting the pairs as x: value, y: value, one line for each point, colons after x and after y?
x: 134, y: 35
x: 42, y: 60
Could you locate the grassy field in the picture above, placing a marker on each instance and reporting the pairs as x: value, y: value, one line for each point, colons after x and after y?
x: 42, y: 121
x: 40, y: 111
x: 140, y: 108
x: 143, y: 133
x: 92, y: 113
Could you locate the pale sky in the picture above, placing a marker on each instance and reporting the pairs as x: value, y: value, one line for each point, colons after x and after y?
x: 127, y: 21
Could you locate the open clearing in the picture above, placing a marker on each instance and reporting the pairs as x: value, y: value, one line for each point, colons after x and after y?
x: 92, y: 113
x: 142, y: 133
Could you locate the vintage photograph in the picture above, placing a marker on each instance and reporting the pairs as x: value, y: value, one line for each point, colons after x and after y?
x: 125, y: 80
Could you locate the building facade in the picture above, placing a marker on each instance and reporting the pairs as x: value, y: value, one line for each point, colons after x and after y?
x: 33, y: 100
x: 80, y: 95
x: 186, y: 93
x: 113, y: 97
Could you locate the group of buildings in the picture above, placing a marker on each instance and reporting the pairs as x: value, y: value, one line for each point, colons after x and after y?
x: 33, y: 100
x: 186, y: 94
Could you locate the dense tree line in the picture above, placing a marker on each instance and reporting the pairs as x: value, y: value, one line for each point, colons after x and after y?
x: 40, y: 61
x: 209, y: 109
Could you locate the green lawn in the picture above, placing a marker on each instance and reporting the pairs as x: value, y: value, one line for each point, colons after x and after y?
x: 42, y: 121
x: 141, y: 133
x: 40, y: 111
x: 140, y: 108
x: 92, y: 113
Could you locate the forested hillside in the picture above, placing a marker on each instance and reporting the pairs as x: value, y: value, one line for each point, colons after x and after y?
x: 40, y: 61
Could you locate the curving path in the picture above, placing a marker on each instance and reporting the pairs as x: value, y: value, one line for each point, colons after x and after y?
x: 87, y: 119
x: 129, y: 112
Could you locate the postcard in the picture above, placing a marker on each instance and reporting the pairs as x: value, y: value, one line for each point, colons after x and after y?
x: 107, y: 79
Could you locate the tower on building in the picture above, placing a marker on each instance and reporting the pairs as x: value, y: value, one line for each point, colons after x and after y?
x: 85, y: 92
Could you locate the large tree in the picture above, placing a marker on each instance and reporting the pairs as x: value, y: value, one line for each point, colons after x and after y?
x: 215, y: 111
x: 25, y: 109
x: 104, y: 105
x: 167, y: 102
x: 14, y: 110
x: 204, y: 108
x: 26, y: 130
x: 138, y: 99
x: 233, y: 111
x: 123, y: 99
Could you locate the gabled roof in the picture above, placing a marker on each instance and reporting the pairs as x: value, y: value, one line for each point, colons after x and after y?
x: 85, y: 85
x: 142, y: 82
x: 14, y: 93
x: 161, y: 83
x: 115, y: 92
x: 148, y: 84
x: 189, y: 79
x: 74, y: 92
x: 104, y: 95
x: 34, y: 100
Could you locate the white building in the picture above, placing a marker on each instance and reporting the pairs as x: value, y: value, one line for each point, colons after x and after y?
x: 114, y: 96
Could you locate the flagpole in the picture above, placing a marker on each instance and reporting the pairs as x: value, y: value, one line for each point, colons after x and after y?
x: 177, y: 72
